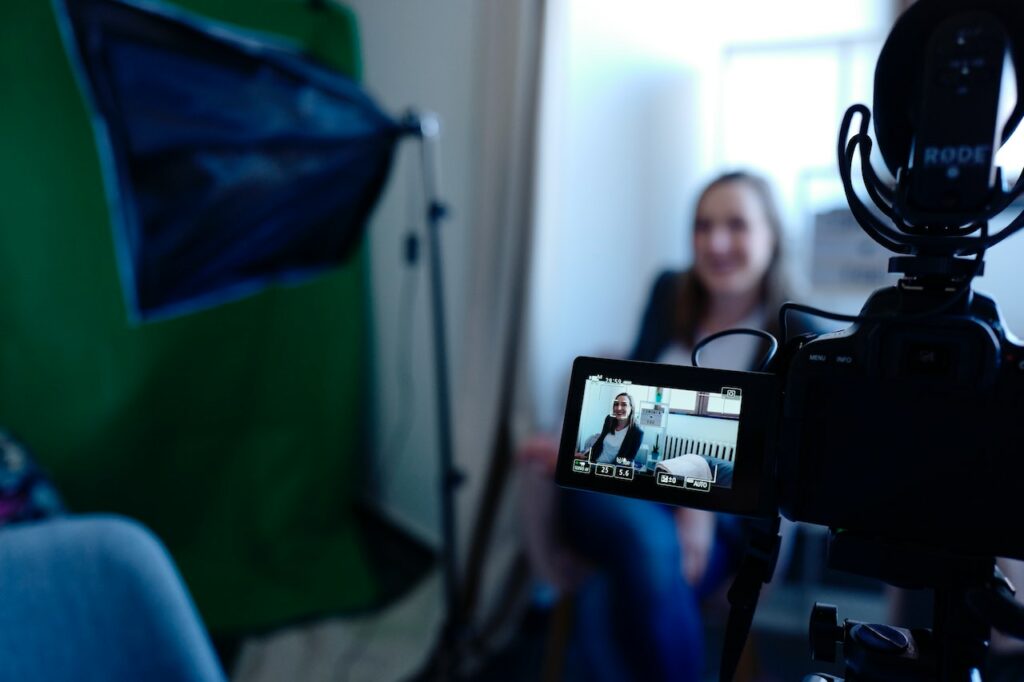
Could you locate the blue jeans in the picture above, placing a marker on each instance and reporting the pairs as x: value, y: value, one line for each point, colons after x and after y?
x: 96, y: 598
x: 655, y: 618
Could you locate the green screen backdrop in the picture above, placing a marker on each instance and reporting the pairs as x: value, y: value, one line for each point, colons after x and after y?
x: 237, y: 433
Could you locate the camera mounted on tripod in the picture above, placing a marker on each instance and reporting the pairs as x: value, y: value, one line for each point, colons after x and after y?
x: 902, y: 432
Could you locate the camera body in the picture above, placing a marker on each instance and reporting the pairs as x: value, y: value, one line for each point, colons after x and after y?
x: 907, y: 429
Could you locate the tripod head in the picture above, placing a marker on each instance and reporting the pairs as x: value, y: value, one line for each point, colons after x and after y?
x: 971, y: 596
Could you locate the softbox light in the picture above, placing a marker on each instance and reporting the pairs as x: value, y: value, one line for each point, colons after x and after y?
x: 231, y: 160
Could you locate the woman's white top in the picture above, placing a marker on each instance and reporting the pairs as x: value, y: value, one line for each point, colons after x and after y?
x: 739, y: 351
x: 612, y: 445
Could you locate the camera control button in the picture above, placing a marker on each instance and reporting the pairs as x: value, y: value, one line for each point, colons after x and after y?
x: 844, y: 363
x: 581, y: 466
x: 697, y: 484
x: 670, y: 480
x: 604, y: 470
x: 624, y: 473
x: 1012, y: 359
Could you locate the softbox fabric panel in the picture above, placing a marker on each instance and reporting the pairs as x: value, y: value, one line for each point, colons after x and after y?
x: 238, y: 433
x: 232, y: 160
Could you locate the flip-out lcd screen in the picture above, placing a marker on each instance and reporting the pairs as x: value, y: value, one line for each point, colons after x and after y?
x: 675, y: 434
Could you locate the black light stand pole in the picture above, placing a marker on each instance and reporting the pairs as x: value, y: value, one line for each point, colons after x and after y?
x: 426, y: 127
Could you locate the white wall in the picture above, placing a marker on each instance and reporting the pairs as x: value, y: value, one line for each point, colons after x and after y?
x: 418, y: 54
x: 621, y: 145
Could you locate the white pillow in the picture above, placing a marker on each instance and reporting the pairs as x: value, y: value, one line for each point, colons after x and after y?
x: 693, y: 466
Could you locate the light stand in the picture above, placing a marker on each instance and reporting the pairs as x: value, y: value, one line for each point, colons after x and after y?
x: 445, y: 663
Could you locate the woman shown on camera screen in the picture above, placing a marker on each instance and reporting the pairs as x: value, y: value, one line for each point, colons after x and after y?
x: 620, y: 436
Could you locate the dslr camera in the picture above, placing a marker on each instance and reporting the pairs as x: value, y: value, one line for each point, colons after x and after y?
x: 904, y: 432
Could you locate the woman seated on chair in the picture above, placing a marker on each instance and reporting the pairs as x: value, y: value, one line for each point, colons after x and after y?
x: 620, y: 437
x: 672, y: 557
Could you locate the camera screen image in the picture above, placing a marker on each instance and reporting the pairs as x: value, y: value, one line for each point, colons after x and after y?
x: 681, y: 438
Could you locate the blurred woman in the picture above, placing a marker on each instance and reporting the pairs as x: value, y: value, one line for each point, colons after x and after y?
x: 664, y: 560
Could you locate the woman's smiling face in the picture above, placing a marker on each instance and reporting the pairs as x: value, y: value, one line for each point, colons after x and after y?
x: 732, y: 239
x: 621, y: 407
